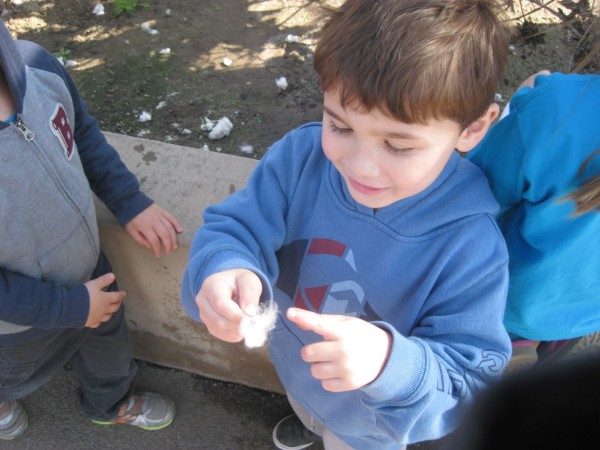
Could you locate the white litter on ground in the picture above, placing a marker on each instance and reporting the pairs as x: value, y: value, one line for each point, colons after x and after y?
x: 167, y: 12
x: 255, y: 329
x: 292, y: 38
x: 281, y: 83
x: 161, y: 104
x: 147, y: 28
x: 145, y: 116
x: 169, y: 138
x: 175, y: 125
x: 98, y: 10
x: 498, y: 97
x: 205, y: 147
x: 207, y: 124
x: 186, y: 131
x: 70, y: 63
x: 221, y: 129
x: 164, y: 51
x: 143, y: 133
x: 227, y: 62
x: 246, y: 148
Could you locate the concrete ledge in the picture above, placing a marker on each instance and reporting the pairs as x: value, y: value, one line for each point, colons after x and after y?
x: 184, y: 181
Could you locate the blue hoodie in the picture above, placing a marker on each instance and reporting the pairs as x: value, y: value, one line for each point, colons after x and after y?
x: 430, y: 269
x: 532, y: 158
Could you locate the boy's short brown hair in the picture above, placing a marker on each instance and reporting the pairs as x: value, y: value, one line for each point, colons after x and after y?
x: 414, y: 59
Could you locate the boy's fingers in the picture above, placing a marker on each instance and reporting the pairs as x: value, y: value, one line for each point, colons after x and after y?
x: 249, y: 291
x: 320, y: 352
x: 139, y: 238
x: 323, y: 324
x: 223, y: 308
x: 173, y: 220
x: 172, y: 235
x: 104, y: 281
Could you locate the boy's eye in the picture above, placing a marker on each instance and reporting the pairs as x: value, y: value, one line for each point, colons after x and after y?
x: 398, y: 151
x: 333, y: 127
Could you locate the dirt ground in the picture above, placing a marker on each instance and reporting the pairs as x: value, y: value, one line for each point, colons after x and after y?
x: 221, y: 58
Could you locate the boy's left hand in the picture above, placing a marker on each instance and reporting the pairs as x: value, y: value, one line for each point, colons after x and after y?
x: 352, y: 352
x: 154, y: 227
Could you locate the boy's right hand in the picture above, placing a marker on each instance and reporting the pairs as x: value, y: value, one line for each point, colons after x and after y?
x: 102, y: 304
x: 224, y: 298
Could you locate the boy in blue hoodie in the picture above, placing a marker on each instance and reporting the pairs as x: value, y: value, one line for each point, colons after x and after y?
x: 59, y: 302
x: 374, y: 237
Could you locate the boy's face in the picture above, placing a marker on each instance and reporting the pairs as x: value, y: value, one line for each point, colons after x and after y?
x: 381, y: 159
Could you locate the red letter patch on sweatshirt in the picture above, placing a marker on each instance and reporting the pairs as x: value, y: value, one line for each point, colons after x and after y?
x: 59, y: 124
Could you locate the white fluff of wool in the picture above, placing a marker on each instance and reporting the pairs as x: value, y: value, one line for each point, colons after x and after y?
x: 255, y: 329
x: 221, y: 129
x: 145, y: 116
x: 281, y: 83
x: 98, y: 10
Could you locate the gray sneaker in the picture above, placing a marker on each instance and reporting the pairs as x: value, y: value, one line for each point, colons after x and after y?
x: 291, y: 434
x: 13, y: 420
x: 147, y: 410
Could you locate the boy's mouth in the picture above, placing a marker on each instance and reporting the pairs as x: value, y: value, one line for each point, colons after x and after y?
x: 363, y: 188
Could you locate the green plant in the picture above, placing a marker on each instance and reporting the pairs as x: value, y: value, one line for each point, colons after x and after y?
x: 129, y: 6
x: 62, y: 53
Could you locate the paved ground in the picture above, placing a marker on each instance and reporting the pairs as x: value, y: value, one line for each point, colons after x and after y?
x: 210, y: 415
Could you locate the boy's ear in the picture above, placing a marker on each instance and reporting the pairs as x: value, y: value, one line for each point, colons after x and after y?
x: 474, y: 133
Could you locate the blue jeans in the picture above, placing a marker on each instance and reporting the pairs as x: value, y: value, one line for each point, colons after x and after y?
x: 101, y: 359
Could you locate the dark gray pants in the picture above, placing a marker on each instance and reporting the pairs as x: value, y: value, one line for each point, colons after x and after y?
x: 101, y: 359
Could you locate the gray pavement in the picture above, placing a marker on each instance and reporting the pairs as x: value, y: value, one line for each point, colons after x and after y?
x: 210, y: 415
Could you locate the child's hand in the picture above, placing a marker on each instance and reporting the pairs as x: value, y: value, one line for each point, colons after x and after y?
x: 102, y: 304
x: 155, y: 226
x: 223, y: 299
x: 352, y: 353
x: 531, y: 80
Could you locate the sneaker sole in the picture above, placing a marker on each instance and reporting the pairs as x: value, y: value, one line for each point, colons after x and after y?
x: 281, y: 446
x: 150, y: 428
x: 21, y: 430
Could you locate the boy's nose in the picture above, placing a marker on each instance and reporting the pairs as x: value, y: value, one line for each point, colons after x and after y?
x: 364, y: 163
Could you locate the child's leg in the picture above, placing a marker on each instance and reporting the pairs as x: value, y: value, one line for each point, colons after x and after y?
x: 105, y: 368
x: 524, y: 354
x: 26, y: 366
x: 588, y: 345
x: 330, y: 440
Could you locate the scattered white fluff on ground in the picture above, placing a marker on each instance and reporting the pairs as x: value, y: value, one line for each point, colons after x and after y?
x: 186, y: 131
x: 146, y: 27
x: 255, y: 329
x: 227, y: 62
x: 164, y: 51
x: 207, y: 124
x: 98, y: 10
x: 498, y: 97
x: 70, y: 63
x: 143, y: 133
x: 246, y: 148
x: 221, y: 129
x: 167, y: 12
x: 205, y: 147
x: 292, y: 38
x: 145, y: 116
x: 161, y: 105
x: 512, y: 49
x: 169, y: 138
x: 281, y: 83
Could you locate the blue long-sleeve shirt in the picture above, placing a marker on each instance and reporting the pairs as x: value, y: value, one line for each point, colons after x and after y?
x: 430, y: 269
x: 52, y: 159
x: 532, y: 158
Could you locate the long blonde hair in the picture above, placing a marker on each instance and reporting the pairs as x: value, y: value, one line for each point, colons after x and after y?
x: 587, y: 197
